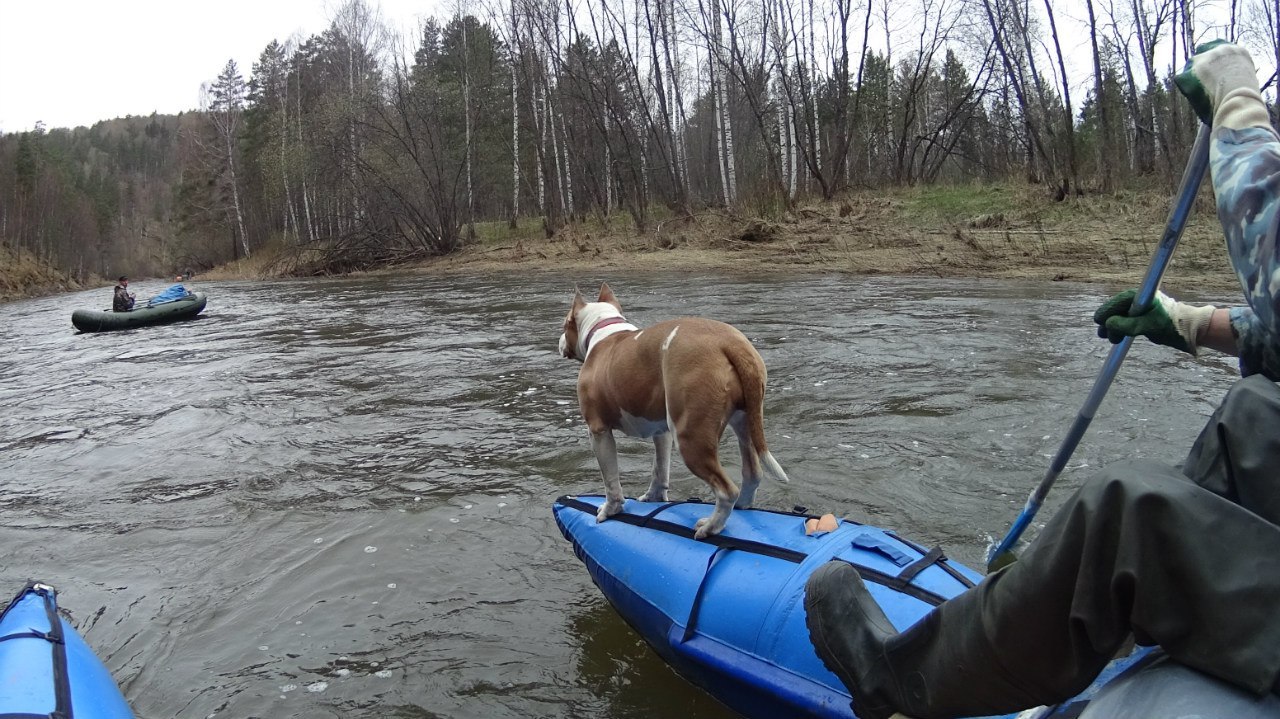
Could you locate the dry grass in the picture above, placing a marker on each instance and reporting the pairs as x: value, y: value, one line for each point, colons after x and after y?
x: 997, y: 232
x: 1000, y: 231
x: 22, y: 275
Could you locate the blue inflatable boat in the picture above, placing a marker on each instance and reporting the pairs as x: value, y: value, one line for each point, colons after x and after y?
x: 727, y: 612
x: 46, y: 669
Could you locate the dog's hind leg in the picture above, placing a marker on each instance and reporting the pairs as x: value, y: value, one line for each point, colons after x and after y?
x: 701, y: 457
x: 751, y: 469
x: 607, y: 456
x: 657, y: 491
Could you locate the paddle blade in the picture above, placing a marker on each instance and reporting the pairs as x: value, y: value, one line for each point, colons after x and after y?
x: 1000, y: 560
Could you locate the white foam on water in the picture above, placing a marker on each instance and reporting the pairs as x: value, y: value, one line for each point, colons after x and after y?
x: 384, y: 674
x: 317, y: 687
x: 370, y: 550
x: 391, y: 585
x: 286, y: 688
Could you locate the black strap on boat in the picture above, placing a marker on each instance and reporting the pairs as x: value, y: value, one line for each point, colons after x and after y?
x: 679, y: 530
x: 644, y: 521
x: 943, y: 562
x: 33, y: 634
x: 767, y: 550
x: 928, y: 560
x: 691, y: 624
x: 61, y: 678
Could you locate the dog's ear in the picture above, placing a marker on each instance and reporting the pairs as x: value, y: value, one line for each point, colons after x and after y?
x: 606, y: 294
x: 578, y: 301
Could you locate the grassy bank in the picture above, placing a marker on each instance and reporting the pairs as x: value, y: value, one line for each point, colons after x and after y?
x: 999, y: 231
x: 22, y: 275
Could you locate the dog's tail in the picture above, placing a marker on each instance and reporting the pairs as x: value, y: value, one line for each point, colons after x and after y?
x: 772, y: 468
x: 752, y: 376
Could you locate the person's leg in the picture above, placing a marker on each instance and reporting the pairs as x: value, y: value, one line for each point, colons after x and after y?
x: 1238, y: 451
x: 1137, y: 549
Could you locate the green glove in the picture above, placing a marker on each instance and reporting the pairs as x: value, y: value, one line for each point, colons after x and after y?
x: 1168, y: 322
x: 1221, y: 84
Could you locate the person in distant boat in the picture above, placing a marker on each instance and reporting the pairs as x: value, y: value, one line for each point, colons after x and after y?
x: 1187, y: 558
x: 123, y: 301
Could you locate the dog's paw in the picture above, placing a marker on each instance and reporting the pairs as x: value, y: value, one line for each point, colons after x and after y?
x: 608, y: 509
x: 653, y: 497
x: 703, y: 528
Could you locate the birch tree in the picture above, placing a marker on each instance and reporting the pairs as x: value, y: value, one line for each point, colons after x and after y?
x: 223, y: 102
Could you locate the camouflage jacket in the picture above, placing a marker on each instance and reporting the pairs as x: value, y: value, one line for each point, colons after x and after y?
x: 1246, y: 180
x: 123, y: 301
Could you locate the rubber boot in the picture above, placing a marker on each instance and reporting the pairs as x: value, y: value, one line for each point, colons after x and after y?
x: 943, y: 666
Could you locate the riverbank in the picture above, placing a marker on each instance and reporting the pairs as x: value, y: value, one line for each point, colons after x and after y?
x: 992, y: 232
x: 22, y: 275
x: 981, y: 231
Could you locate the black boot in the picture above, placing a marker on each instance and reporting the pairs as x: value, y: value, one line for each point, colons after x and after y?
x: 942, y: 666
x: 849, y: 632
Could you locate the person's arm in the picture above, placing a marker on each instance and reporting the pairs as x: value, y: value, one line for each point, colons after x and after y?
x: 1217, y: 333
x: 1221, y: 83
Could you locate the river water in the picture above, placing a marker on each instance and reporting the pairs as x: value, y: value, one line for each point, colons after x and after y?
x: 331, y: 498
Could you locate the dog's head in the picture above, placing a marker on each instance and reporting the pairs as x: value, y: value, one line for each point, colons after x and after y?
x: 582, y: 316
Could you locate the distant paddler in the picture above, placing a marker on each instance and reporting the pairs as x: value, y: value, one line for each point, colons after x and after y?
x: 123, y: 301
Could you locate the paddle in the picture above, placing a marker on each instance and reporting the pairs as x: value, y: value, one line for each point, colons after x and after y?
x: 1197, y: 164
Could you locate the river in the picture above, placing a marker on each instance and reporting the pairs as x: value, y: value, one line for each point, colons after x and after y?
x: 331, y: 498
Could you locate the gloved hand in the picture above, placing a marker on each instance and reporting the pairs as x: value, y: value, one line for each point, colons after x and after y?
x: 1221, y: 83
x: 1168, y: 322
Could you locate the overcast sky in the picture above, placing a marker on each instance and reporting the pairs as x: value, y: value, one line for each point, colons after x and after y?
x: 73, y: 62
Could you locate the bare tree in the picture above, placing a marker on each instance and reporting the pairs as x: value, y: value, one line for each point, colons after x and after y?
x: 1101, y: 100
x: 1013, y: 60
x: 1068, y: 113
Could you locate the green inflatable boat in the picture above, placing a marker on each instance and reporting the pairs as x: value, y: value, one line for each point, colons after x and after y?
x: 106, y: 320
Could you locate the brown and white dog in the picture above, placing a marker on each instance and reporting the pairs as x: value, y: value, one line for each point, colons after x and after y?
x: 682, y: 379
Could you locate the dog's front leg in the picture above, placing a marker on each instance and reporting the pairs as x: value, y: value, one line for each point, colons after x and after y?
x: 661, y: 468
x: 607, y: 455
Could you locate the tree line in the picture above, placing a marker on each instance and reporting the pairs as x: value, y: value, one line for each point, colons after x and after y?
x: 358, y: 147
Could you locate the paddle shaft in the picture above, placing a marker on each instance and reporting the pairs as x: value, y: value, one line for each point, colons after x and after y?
x: 1197, y: 165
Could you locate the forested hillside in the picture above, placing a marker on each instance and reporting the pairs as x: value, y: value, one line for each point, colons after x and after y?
x: 355, y: 147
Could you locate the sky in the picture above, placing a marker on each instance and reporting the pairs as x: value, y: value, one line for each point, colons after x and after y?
x: 68, y: 63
